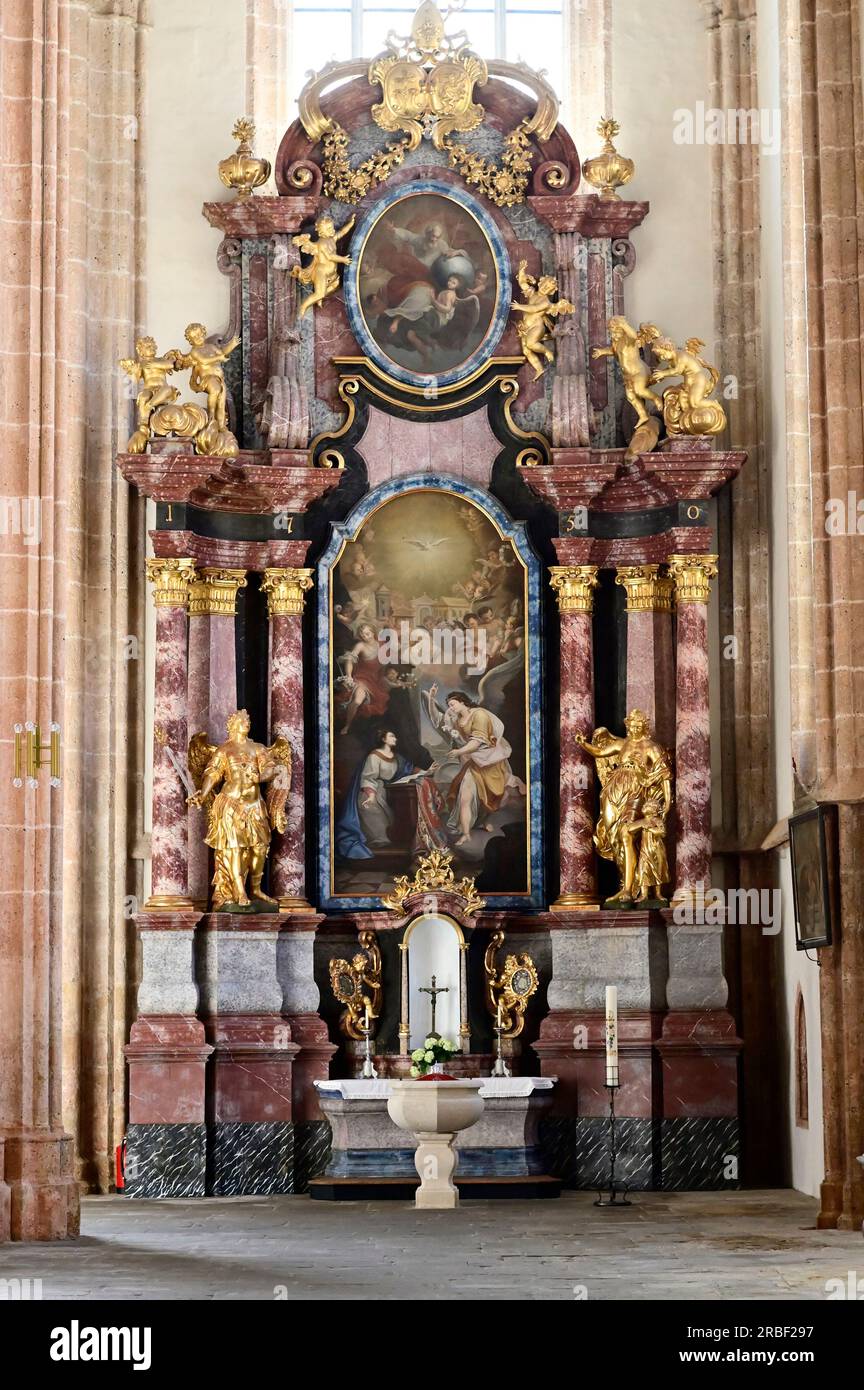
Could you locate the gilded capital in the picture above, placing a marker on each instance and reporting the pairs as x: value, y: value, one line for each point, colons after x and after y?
x: 692, y: 575
x: 172, y: 579
x: 215, y: 591
x: 648, y: 591
x: 286, y: 590
x: 574, y: 586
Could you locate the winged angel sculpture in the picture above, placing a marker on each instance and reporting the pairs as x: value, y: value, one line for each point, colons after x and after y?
x: 239, y: 820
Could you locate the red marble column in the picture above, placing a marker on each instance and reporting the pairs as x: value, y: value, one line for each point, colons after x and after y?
x: 650, y: 659
x: 692, y: 575
x: 171, y: 579
x: 286, y: 589
x: 212, y: 688
x: 574, y: 586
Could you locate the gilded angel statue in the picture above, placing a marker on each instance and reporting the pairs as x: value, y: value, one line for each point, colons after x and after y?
x: 688, y: 408
x: 635, y: 776
x: 239, y: 820
x: 205, y: 362
x: 539, y: 312
x: 626, y: 343
x: 152, y: 371
x: 322, y: 272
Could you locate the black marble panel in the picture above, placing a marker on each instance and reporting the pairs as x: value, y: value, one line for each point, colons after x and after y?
x: 312, y: 1144
x: 165, y: 1160
x: 700, y: 1154
x: 249, y: 1158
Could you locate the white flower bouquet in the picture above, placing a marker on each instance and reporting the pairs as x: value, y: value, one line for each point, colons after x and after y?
x: 433, y: 1054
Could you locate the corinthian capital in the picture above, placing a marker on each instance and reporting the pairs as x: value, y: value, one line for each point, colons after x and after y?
x: 692, y: 575
x: 171, y: 579
x: 286, y: 590
x: 574, y: 587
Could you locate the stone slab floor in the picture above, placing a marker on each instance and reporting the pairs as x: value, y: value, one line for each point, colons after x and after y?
x: 678, y: 1246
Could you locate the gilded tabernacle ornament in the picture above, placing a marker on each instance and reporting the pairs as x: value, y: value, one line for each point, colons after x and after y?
x: 239, y: 821
x: 322, y: 272
x: 508, y: 992
x: 635, y: 798
x: 608, y: 170
x: 434, y: 874
x: 357, y: 985
x: 242, y: 171
x: 539, y: 313
x: 688, y: 408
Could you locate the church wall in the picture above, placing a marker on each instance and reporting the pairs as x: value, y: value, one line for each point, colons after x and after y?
x: 800, y: 972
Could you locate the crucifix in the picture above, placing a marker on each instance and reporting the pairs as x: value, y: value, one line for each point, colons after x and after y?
x: 433, y: 990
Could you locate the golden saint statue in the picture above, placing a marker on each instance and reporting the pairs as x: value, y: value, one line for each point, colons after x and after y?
x: 688, y: 409
x: 540, y: 312
x: 635, y: 797
x: 239, y: 822
x: 322, y: 273
x: 625, y: 346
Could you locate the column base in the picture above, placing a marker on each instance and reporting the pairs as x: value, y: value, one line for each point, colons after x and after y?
x: 166, y: 1054
x: 250, y: 1070
x: 295, y: 905
x: 575, y: 902
x: 169, y: 902
x: 43, y: 1195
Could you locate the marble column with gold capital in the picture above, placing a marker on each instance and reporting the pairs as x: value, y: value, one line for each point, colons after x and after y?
x: 212, y: 686
x: 574, y: 587
x: 692, y: 575
x: 172, y: 579
x: 286, y: 590
x: 650, y: 657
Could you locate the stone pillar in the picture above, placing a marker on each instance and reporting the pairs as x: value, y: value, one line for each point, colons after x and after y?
x: 212, y: 690
x: 167, y: 1053
x: 650, y: 658
x: 574, y: 586
x: 249, y: 1101
x: 692, y: 575
x: 285, y: 589
x: 169, y: 891
x: 300, y: 1000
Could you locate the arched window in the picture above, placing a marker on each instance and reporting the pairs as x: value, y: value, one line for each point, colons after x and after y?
x: 802, y: 1094
x: 529, y: 30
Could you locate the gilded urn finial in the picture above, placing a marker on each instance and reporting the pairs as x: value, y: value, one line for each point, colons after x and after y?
x: 241, y: 170
x: 609, y: 169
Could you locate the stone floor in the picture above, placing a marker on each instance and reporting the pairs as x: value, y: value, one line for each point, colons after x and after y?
x: 678, y: 1246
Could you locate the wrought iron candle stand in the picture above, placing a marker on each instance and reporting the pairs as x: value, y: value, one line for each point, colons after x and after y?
x: 614, y: 1197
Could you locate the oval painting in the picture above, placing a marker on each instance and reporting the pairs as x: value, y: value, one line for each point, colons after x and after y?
x: 428, y: 289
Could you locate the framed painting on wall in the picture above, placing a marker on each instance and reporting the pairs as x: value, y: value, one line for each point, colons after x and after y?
x: 813, y: 845
x: 428, y: 288
x: 429, y: 695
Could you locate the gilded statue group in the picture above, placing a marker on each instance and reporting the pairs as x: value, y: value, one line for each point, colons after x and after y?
x: 635, y: 776
x: 687, y: 408
x: 156, y: 404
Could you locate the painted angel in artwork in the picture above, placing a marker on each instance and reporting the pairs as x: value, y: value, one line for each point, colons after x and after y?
x: 239, y: 819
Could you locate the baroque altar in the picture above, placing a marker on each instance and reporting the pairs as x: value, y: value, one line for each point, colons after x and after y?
x: 431, y: 568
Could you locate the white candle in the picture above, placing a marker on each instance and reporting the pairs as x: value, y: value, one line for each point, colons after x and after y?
x: 611, y: 1035
x: 499, y: 1013
x: 367, y: 1015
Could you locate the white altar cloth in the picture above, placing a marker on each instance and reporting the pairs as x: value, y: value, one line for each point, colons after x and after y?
x: 493, y: 1088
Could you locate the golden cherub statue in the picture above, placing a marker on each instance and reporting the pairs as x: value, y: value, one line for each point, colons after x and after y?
x: 153, y: 372
x: 507, y: 993
x: 322, y: 272
x: 625, y: 346
x: 239, y: 822
x: 347, y: 981
x: 205, y: 359
x: 635, y: 798
x: 540, y: 312
x: 688, y: 409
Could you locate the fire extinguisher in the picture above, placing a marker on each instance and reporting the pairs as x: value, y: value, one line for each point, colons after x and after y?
x: 120, y: 1165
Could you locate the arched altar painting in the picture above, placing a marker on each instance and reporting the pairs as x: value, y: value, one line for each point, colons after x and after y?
x: 429, y: 654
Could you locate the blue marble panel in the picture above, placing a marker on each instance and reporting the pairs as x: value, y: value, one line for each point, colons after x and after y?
x: 348, y: 531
